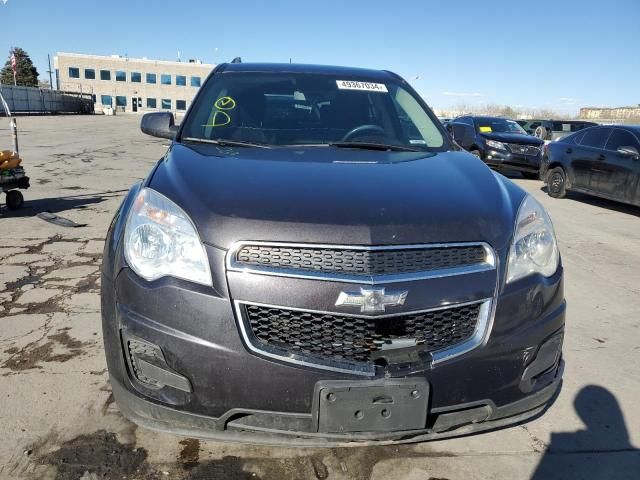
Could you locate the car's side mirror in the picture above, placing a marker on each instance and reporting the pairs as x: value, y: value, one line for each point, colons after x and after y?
x: 159, y: 124
x: 455, y: 130
x: 449, y: 130
x: 629, y: 152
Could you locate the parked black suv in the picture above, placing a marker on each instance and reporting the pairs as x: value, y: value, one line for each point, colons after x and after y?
x: 600, y: 161
x: 500, y: 142
x: 313, y: 261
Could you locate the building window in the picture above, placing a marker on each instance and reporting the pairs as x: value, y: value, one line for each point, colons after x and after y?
x: 121, y: 76
x: 151, y: 78
x: 121, y: 101
x: 165, y: 79
x: 151, y: 103
x: 74, y: 72
x: 195, y: 81
x: 181, y: 104
x: 105, y: 74
x: 105, y: 100
x: 166, y: 103
x: 136, y: 77
x: 89, y: 74
x: 181, y: 80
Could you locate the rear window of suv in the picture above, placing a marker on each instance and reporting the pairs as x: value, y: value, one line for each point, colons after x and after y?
x: 283, y: 108
x: 569, y: 126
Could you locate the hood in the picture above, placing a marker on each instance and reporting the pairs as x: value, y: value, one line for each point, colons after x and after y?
x: 337, y: 196
x: 518, y: 138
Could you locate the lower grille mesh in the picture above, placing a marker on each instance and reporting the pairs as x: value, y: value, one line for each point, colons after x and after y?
x: 334, y: 336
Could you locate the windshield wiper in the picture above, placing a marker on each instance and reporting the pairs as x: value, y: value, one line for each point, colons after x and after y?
x: 226, y: 143
x: 374, y: 146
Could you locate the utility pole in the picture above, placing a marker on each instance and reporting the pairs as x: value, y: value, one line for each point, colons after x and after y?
x: 49, y: 71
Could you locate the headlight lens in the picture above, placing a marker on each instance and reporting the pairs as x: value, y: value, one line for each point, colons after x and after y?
x: 534, y: 248
x: 496, y: 145
x: 161, y: 240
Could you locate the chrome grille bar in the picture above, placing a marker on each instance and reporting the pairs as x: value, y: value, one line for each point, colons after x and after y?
x: 361, y: 264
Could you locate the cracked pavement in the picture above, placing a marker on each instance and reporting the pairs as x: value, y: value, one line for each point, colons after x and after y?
x: 57, y: 415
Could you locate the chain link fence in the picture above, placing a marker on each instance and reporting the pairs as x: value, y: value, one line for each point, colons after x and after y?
x: 33, y: 100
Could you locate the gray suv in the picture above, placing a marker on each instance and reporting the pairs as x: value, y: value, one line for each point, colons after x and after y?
x: 314, y: 262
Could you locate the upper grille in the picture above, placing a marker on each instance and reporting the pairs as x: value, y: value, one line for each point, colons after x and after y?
x: 360, y: 262
x: 523, y: 149
x: 341, y: 337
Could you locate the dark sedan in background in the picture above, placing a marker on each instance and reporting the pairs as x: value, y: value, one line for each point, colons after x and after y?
x: 600, y: 161
x: 499, y: 142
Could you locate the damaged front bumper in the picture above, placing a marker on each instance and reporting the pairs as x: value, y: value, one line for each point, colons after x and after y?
x: 279, y: 428
x: 178, y: 364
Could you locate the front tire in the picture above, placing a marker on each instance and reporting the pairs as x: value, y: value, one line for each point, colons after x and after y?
x: 15, y: 200
x: 557, y: 182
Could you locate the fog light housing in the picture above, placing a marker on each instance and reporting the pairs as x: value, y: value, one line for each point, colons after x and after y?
x: 542, y: 368
x: 149, y: 367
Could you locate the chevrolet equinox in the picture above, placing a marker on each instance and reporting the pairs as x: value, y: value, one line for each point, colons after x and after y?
x: 314, y: 261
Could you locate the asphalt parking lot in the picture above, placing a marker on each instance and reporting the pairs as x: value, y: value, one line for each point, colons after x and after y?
x: 57, y: 416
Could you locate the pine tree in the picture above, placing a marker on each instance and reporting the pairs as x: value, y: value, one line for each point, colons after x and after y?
x: 26, y: 72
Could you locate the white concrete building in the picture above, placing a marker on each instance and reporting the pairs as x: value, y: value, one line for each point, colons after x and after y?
x: 131, y: 84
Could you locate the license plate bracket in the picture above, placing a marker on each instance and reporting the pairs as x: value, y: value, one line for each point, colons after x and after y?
x: 391, y: 405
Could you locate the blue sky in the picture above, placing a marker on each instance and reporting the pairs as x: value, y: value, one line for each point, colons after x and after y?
x: 552, y: 54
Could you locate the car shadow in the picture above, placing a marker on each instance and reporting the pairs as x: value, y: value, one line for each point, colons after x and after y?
x: 600, y: 202
x: 58, y: 204
x: 601, y: 451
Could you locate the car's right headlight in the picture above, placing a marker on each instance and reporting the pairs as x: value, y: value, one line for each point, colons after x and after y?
x: 496, y: 145
x: 534, y: 248
x: 161, y: 240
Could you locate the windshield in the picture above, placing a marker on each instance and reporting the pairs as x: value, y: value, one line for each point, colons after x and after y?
x: 498, y: 125
x: 309, y: 109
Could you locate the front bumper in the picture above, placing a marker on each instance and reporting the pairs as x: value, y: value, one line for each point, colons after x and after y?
x: 222, y: 390
x: 280, y: 428
x: 502, y: 159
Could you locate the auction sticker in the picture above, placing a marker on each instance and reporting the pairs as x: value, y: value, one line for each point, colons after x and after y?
x: 366, y: 86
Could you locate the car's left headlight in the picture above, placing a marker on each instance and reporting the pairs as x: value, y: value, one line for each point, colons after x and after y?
x: 534, y: 248
x: 495, y: 145
x: 161, y: 240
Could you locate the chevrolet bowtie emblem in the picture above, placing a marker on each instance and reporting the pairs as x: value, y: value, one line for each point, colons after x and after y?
x: 372, y: 299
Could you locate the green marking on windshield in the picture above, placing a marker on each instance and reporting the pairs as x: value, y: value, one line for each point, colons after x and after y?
x: 219, y: 117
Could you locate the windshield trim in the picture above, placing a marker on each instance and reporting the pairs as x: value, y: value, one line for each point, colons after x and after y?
x: 374, y: 146
x: 226, y: 143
